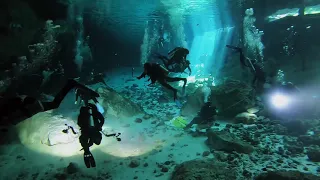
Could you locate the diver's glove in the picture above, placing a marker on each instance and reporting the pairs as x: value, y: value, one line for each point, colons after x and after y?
x: 89, y: 159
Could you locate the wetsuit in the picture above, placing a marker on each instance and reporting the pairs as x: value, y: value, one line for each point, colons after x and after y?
x: 90, y: 121
x: 158, y: 73
x: 205, y: 116
x: 16, y: 109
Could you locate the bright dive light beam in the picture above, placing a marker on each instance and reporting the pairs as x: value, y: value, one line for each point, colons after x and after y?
x: 280, y: 101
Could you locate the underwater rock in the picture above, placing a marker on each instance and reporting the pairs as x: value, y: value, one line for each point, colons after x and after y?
x: 203, y: 169
x: 220, y: 155
x: 138, y: 120
x: 134, y: 163
x: 314, y: 154
x: 296, y: 127
x: 253, y: 110
x: 228, y: 142
x: 147, y: 116
x: 205, y: 153
x: 309, y: 140
x: 164, y: 169
x: 117, y: 105
x: 294, y: 149
x: 193, y: 104
x: 72, y: 168
x: 245, y: 118
x: 47, y: 129
x: 286, y: 175
x: 232, y: 97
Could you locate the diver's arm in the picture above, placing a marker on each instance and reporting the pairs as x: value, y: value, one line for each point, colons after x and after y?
x: 242, y: 57
x: 143, y: 75
x: 189, y: 70
x: 153, y: 80
x: 101, y: 119
x: 29, y: 106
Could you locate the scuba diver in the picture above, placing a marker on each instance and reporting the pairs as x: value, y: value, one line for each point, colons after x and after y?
x: 93, y: 78
x: 178, y: 68
x: 90, y: 121
x: 257, y: 70
x: 84, y: 96
x: 288, y: 87
x: 156, y: 72
x: 17, y: 109
x: 204, y: 116
x: 177, y: 61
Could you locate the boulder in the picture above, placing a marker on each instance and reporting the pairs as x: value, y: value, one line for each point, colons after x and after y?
x: 232, y: 97
x: 117, y: 105
x: 309, y: 140
x: 296, y: 127
x: 286, y: 175
x: 203, y: 169
x: 228, y: 142
x: 314, y: 154
x: 253, y: 110
x: 245, y: 118
x: 193, y: 104
x: 47, y: 129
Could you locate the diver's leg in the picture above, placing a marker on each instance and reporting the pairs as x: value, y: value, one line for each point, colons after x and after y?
x: 64, y: 91
x: 60, y: 96
x: 97, y: 138
x: 174, y: 79
x: 84, y: 141
x: 87, y: 156
x: 194, y: 121
x: 166, y: 85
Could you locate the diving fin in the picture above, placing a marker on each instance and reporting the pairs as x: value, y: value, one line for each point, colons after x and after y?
x: 89, y: 160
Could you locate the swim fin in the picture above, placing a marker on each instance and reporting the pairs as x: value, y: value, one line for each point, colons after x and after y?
x: 89, y: 160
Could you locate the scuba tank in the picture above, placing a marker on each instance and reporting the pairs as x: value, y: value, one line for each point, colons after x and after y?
x: 164, y: 70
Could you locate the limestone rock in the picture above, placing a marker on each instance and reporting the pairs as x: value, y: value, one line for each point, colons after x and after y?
x: 134, y: 164
x: 246, y: 118
x: 232, y: 97
x: 314, y: 154
x: 296, y: 127
x: 72, y: 168
x: 228, y: 142
x: 193, y: 104
x: 204, y: 170
x: 286, y: 175
x: 253, y: 110
x: 117, y: 105
x: 309, y: 140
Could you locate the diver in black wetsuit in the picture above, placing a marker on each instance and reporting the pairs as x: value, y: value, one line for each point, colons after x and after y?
x: 177, y: 62
x: 90, y: 121
x: 158, y: 73
x: 16, y: 109
x: 93, y: 78
x: 84, y: 96
x: 257, y: 70
x: 205, y: 115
